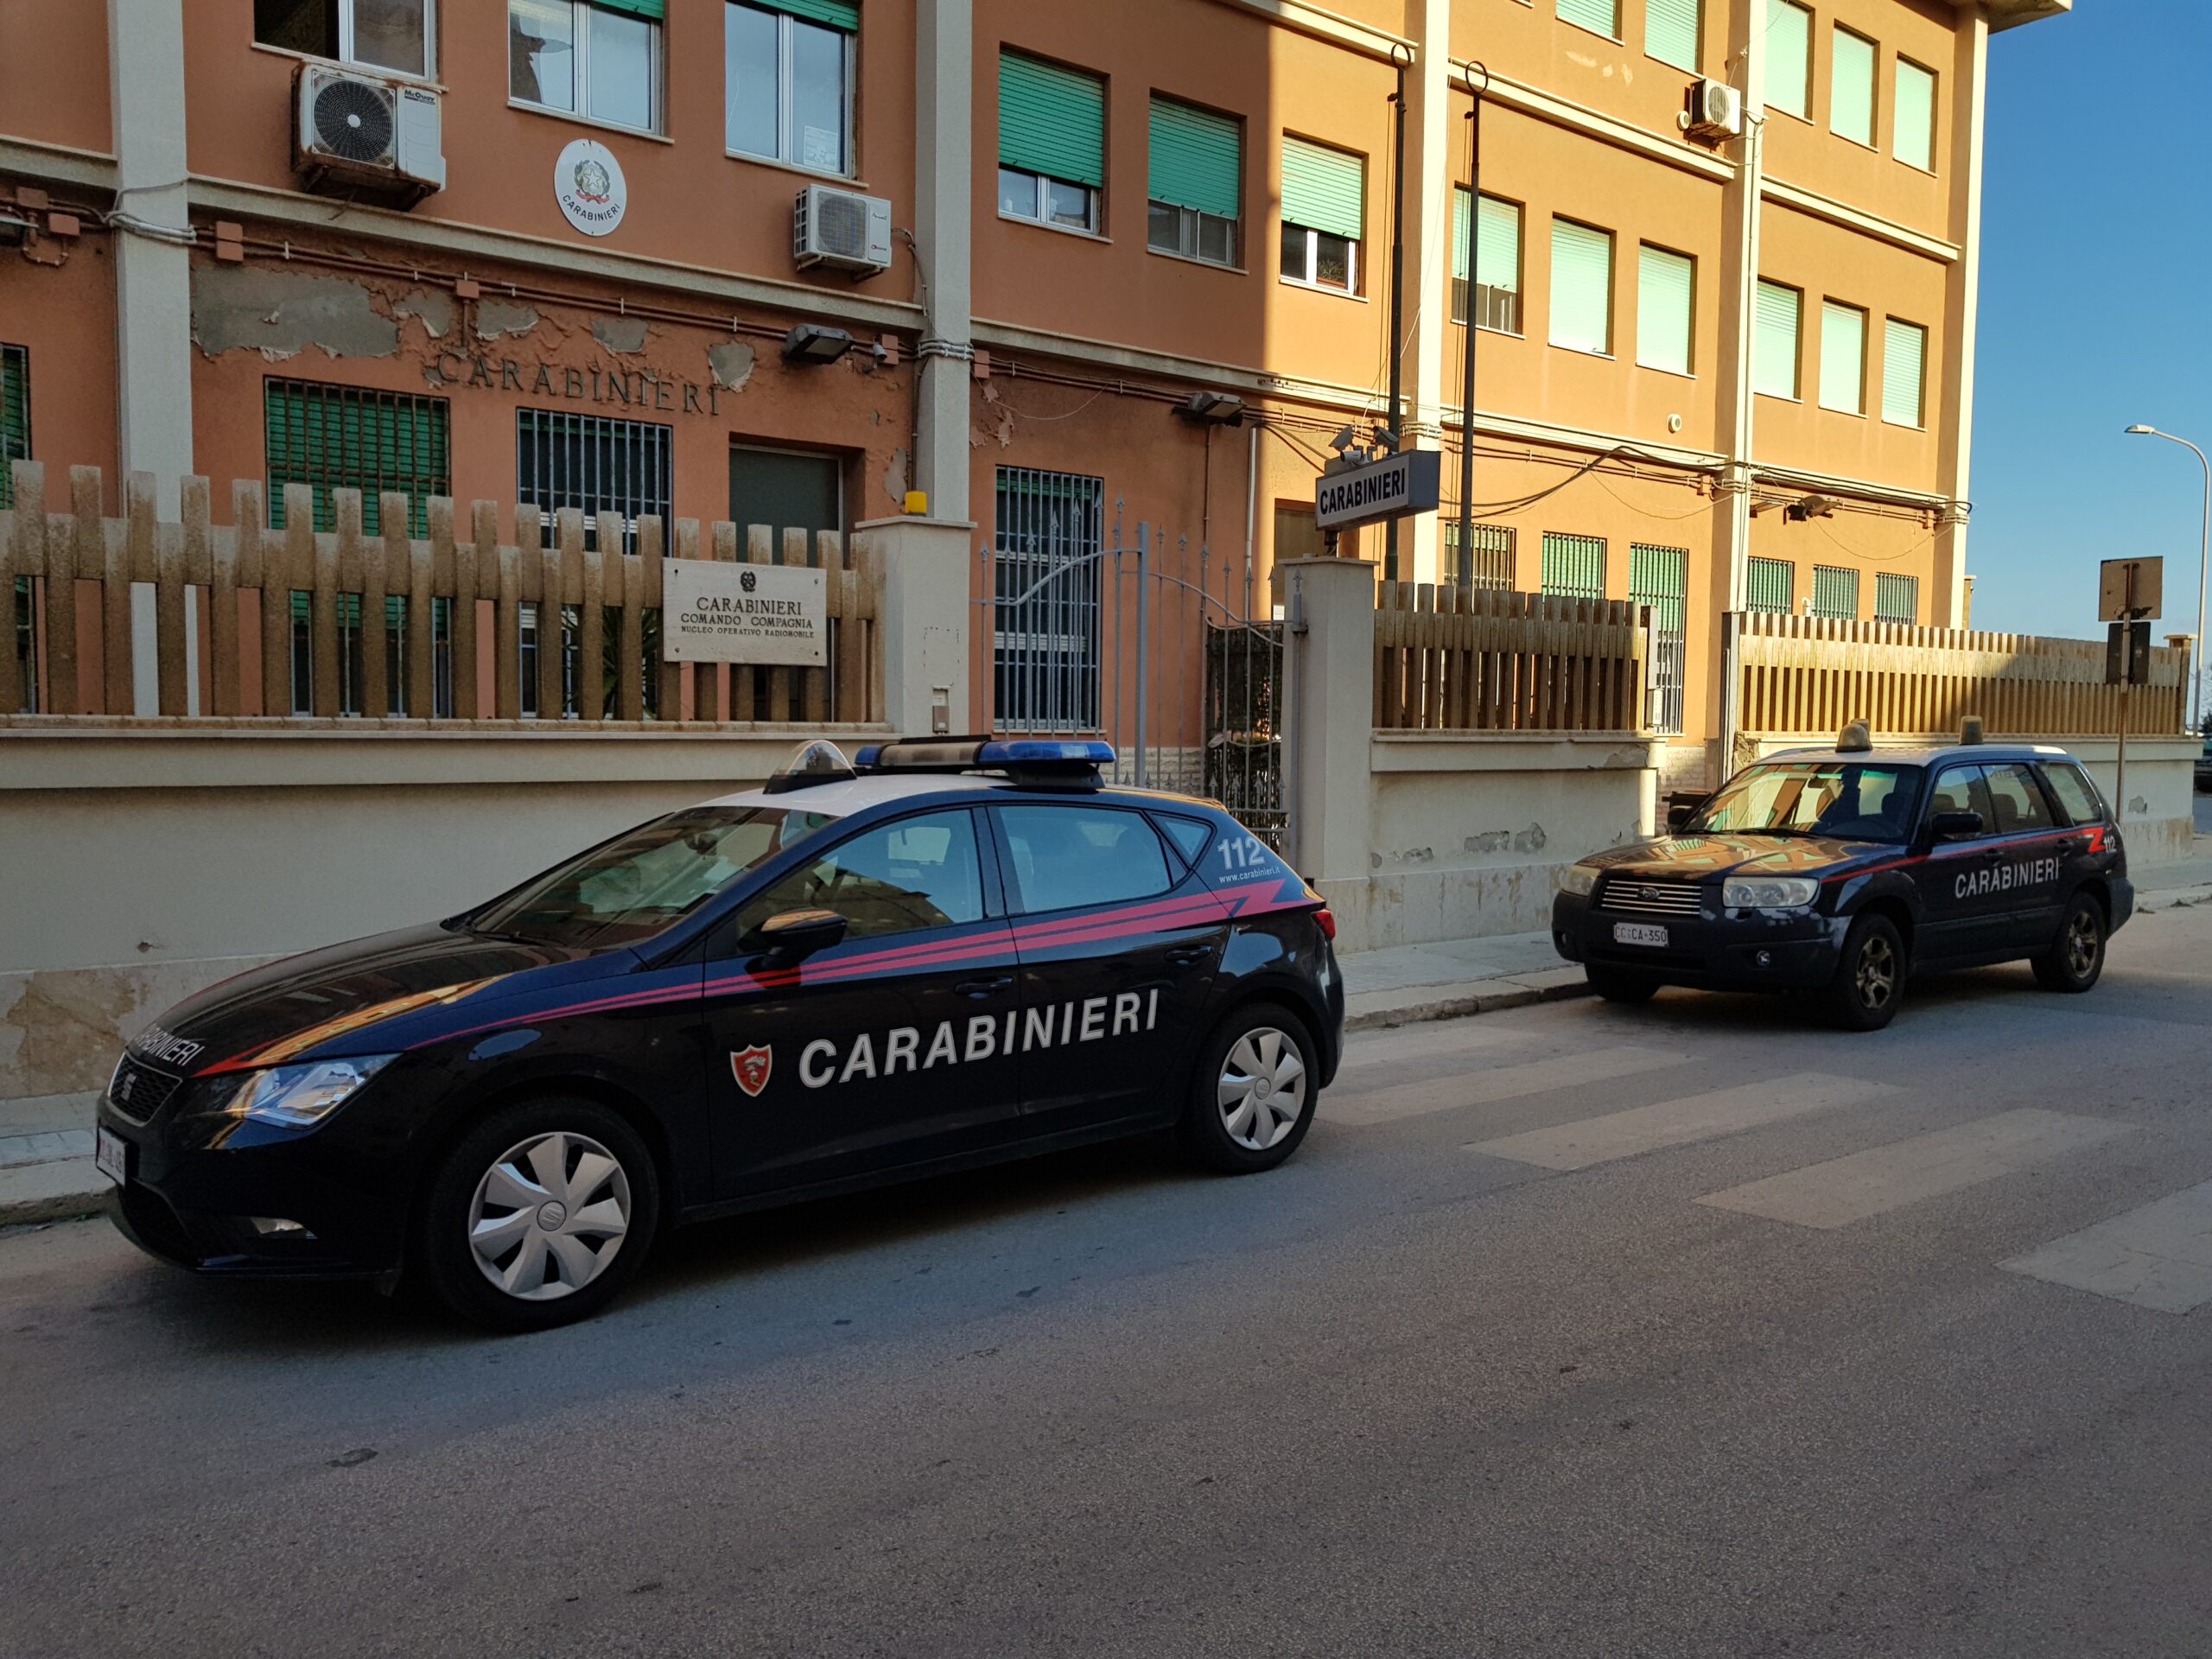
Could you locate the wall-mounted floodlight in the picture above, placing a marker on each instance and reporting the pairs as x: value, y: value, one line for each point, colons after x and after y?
x: 811, y: 343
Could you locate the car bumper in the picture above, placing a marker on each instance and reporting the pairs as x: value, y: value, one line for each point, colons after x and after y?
x: 1748, y: 951
x: 2123, y: 902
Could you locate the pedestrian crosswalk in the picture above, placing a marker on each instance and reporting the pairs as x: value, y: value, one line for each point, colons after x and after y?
x: 1679, y: 1122
x: 2158, y: 1256
x: 1491, y: 1084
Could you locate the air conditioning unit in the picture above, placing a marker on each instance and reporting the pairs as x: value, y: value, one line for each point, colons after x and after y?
x: 842, y: 229
x: 362, y: 132
x: 1715, y: 110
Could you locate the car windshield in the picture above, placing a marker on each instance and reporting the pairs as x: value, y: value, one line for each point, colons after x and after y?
x: 1844, y: 800
x: 639, y: 883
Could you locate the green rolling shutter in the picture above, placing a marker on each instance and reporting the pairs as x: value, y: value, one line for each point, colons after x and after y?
x: 1835, y: 592
x: 1897, y: 598
x: 1582, y: 287
x: 1324, y: 189
x: 1671, y: 28
x: 1774, y: 349
x: 655, y: 10
x: 1499, y: 253
x: 1905, y: 353
x: 15, y: 417
x: 1851, y: 89
x: 1660, y: 577
x: 1604, y: 15
x: 833, y: 14
x: 1575, y: 566
x: 1052, y: 121
x: 1663, y: 282
x: 1916, y: 115
x: 1769, y: 585
x: 1196, y: 159
x: 1788, y: 57
x: 1843, y: 358
x: 343, y: 437
x: 1490, y: 567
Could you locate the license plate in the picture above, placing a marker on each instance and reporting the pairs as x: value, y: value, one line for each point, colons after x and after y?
x: 1638, y: 933
x: 112, y: 1155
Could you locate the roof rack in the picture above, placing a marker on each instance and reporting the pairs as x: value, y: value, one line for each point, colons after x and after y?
x: 1063, y: 761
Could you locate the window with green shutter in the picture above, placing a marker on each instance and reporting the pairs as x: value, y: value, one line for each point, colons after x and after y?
x: 1904, y: 355
x: 1324, y: 214
x: 1582, y: 287
x: 1914, y: 110
x: 1843, y: 358
x: 1850, y: 88
x: 1052, y: 142
x: 1835, y: 592
x: 1773, y: 347
x: 1575, y: 566
x: 1495, y: 252
x: 14, y: 415
x: 1194, y: 182
x: 1603, y: 16
x: 1671, y: 31
x: 1769, y: 585
x: 1660, y: 577
x: 1788, y: 58
x: 1663, y: 285
x: 1488, y: 563
x: 344, y: 437
x: 1897, y: 598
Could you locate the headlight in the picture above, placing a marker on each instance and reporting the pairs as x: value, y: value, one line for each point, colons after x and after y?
x: 303, y: 1093
x: 1579, y: 878
x: 1769, y: 892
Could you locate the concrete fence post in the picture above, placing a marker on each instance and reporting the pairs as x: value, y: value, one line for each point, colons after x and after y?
x: 1328, y: 692
x: 924, y: 622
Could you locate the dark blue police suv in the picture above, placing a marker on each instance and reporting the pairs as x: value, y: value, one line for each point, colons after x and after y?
x: 950, y: 952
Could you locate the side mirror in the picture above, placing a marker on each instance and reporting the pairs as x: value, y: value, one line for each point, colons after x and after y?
x: 1951, y: 826
x: 1680, y: 814
x: 796, y: 934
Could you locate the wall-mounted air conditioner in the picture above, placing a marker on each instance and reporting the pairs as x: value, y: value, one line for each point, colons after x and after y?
x: 842, y: 229
x: 1715, y: 110
x: 361, y: 132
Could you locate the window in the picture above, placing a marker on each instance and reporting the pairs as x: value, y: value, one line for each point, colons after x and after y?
x: 1671, y: 28
x: 1582, y: 287
x: 2018, y: 798
x: 1835, y: 592
x: 1769, y: 586
x: 1790, y: 58
x: 1843, y: 358
x: 918, y: 872
x: 1850, y: 88
x: 394, y: 34
x: 787, y: 81
x: 1897, y: 598
x: 1602, y: 15
x: 1904, y: 355
x: 1046, y: 643
x: 1324, y: 212
x: 1192, y: 836
x: 1575, y: 566
x: 598, y: 465
x: 14, y: 415
x: 1489, y: 563
x: 1495, y: 271
x: 1195, y: 172
x: 599, y: 59
x: 1774, y: 349
x: 1913, y: 108
x: 1660, y: 577
x: 1051, y: 143
x: 2077, y: 797
x: 351, y: 640
x: 786, y: 489
x: 1962, y: 789
x: 1663, y: 287
x: 1860, y: 802
x: 1065, y: 856
x: 343, y: 437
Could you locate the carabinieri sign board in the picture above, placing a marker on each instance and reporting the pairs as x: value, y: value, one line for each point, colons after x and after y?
x: 1394, y: 487
x: 716, y: 613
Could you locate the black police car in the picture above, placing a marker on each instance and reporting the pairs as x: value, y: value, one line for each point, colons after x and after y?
x: 1842, y: 874
x: 951, y: 953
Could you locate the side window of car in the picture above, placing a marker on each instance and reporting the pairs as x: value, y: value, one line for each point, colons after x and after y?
x: 1961, y: 789
x: 2075, y: 796
x: 2017, y: 799
x: 1064, y: 857
x: 918, y: 872
x: 1192, y: 836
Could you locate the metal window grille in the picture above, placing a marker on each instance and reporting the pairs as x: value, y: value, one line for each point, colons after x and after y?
x: 1659, y: 577
x: 1835, y: 592
x: 594, y: 464
x: 1897, y: 598
x: 1046, y: 655
x: 24, y: 643
x: 1575, y: 566
x: 344, y: 437
x: 14, y: 415
x: 527, y: 656
x: 1489, y: 562
x: 350, y: 640
x: 1768, y: 584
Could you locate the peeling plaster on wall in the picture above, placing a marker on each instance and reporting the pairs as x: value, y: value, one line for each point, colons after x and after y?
x: 498, y: 317
x: 894, y: 478
x: 434, y: 310
x: 281, y: 313
x: 1531, y: 840
x: 619, y: 334
x: 731, y: 364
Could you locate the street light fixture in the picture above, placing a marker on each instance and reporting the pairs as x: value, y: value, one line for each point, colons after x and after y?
x: 2204, y: 557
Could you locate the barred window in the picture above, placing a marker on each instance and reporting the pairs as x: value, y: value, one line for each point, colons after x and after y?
x: 1045, y: 653
x: 595, y: 464
x: 1835, y: 592
x: 1769, y: 586
x: 1575, y: 566
x: 14, y: 415
x: 1897, y: 598
x: 345, y: 438
x: 1659, y: 577
x: 1489, y: 561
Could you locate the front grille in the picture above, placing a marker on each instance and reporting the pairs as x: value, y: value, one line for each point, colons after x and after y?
x: 1649, y: 897
x: 138, y: 1091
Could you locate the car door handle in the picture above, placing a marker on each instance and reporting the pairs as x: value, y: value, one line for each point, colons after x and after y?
x: 1993, y: 855
x: 983, y: 986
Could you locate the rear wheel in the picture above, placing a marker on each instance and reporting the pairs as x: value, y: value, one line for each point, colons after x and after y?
x: 1253, y: 1096
x: 2076, y: 959
x: 1869, y: 979
x: 1620, y: 985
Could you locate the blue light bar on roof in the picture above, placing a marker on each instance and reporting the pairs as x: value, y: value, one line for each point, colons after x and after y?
x: 1034, y: 751
x: 867, y: 755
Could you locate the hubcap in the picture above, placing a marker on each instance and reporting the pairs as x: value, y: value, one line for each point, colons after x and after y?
x: 1877, y: 978
x: 549, y: 1216
x: 1262, y: 1093
x: 2081, y: 943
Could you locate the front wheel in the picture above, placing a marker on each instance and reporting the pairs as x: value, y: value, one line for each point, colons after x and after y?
x: 2076, y: 959
x: 1869, y: 977
x: 1252, y: 1099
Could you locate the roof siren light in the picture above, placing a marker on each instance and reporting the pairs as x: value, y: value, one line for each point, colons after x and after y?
x: 1855, y: 738
x: 1970, y: 729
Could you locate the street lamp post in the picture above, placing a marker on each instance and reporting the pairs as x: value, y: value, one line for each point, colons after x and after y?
x: 2204, y: 556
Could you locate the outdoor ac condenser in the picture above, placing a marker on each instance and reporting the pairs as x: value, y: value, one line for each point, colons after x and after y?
x: 1715, y: 111
x: 841, y: 229
x: 356, y: 131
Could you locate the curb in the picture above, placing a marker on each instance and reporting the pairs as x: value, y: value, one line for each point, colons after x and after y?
x: 1471, y: 997
x: 56, y: 1191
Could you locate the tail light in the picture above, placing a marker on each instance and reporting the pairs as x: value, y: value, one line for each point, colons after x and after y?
x: 1327, y: 922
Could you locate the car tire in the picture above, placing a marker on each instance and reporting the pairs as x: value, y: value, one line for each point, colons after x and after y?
x: 1870, y: 976
x: 1235, y: 1122
x: 2076, y: 959
x: 1620, y: 985
x: 538, y: 1216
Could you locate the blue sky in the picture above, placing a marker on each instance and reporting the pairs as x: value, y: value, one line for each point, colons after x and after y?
x: 2096, y: 310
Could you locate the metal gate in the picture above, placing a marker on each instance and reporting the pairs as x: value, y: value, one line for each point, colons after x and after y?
x: 1138, y: 638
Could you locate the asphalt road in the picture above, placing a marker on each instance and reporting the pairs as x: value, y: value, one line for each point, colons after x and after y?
x: 1684, y: 1330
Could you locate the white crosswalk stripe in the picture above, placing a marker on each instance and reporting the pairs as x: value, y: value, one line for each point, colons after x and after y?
x: 1371, y: 1050
x: 2158, y: 1256
x: 1678, y: 1123
x: 1495, y: 1083
x: 1844, y: 1189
